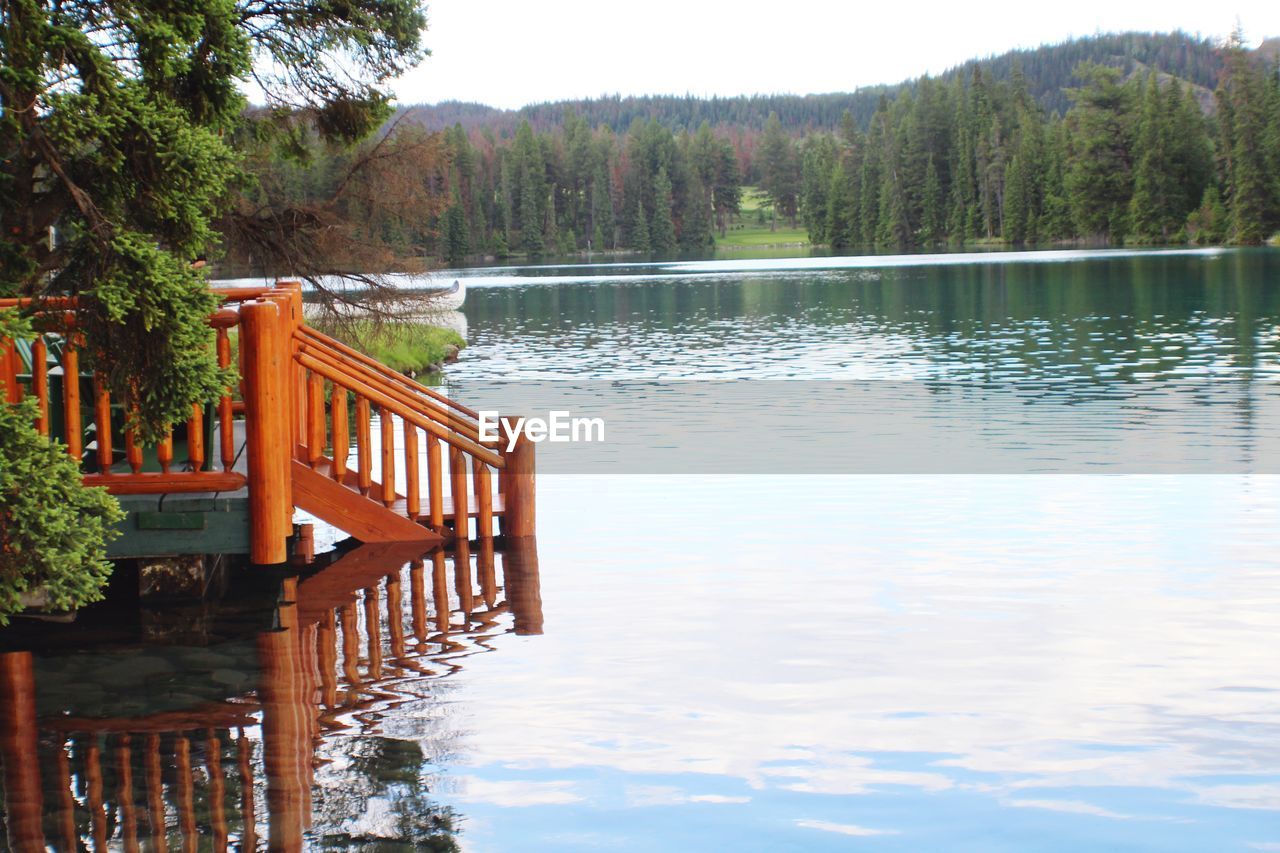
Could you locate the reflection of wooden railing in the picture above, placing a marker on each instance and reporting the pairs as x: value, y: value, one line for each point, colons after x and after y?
x: 300, y: 390
x: 186, y: 779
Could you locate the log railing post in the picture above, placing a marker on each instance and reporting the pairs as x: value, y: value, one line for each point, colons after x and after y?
x: 265, y: 368
x: 40, y: 382
x: 294, y: 403
x: 71, y: 397
x: 9, y: 371
x: 518, y: 482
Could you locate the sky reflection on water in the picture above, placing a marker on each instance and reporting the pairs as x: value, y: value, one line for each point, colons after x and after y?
x: 1008, y: 663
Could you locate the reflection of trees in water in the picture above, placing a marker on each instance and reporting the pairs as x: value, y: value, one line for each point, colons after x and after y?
x: 374, y: 794
x: 1110, y: 319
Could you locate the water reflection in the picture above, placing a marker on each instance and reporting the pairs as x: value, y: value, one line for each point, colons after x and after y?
x: 1105, y: 317
x: 332, y: 745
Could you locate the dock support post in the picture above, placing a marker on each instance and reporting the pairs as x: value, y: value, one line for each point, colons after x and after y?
x: 266, y: 361
x: 518, y: 482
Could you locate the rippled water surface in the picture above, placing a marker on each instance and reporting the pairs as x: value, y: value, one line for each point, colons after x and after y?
x: 806, y: 662
x: 936, y: 662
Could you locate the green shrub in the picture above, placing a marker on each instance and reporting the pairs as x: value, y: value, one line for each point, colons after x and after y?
x: 53, y: 529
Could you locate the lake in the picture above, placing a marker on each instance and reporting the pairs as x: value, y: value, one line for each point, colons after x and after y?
x: 1038, y: 650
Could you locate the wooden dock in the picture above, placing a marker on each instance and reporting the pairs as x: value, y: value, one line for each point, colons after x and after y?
x: 297, y: 433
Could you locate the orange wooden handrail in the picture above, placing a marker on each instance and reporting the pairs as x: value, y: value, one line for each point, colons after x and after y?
x: 386, y: 372
x: 240, y: 294
x: 386, y: 401
x: 337, y: 361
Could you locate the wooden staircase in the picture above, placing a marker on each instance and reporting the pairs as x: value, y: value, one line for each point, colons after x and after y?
x: 404, y: 485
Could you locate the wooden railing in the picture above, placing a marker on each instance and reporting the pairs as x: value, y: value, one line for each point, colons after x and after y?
x: 308, y: 406
x: 90, y: 422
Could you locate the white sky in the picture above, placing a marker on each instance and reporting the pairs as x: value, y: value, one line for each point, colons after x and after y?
x: 508, y: 53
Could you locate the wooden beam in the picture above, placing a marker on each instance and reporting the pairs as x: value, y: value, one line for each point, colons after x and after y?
x: 351, y: 512
x: 163, y: 484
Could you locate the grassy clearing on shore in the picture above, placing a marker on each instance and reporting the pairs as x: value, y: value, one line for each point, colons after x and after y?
x: 750, y: 228
x: 411, y: 348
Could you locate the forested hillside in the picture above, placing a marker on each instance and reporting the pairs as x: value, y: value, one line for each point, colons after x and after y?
x: 1047, y: 72
x: 1134, y: 158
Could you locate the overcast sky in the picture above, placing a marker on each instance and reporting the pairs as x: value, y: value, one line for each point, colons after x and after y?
x: 508, y: 53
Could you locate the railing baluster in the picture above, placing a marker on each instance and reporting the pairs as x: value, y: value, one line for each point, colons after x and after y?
x: 484, y: 499
x: 435, y: 483
x: 185, y: 795
x: 155, y: 795
x: 364, y: 453
x: 412, y: 486
x: 164, y: 451
x: 462, y: 579
x: 40, y: 382
x: 127, y: 816
x: 487, y: 573
x: 327, y: 653
x: 217, y: 790
x: 315, y: 418
x: 195, y: 437
x: 395, y: 618
x: 244, y: 761
x: 350, y: 650
x: 226, y: 427
x: 387, y: 432
x: 71, y: 397
x: 418, y: 600
x: 93, y: 793
x: 440, y: 594
x: 458, y: 489
x: 9, y: 371
x: 102, y: 423
x: 132, y: 452
x: 341, y: 438
x: 66, y: 804
x: 373, y: 632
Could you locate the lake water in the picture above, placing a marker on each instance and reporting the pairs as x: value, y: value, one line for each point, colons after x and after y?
x: 765, y: 660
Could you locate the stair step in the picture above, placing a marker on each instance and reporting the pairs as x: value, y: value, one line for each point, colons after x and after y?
x: 348, y: 510
x: 401, y: 506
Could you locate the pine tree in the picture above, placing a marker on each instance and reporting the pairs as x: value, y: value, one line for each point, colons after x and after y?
x: 1099, y: 177
x: 839, y: 209
x: 531, y: 184
x: 1242, y: 100
x: 456, y: 241
x: 933, y: 223
x: 662, y: 231
x: 1016, y: 207
x: 779, y: 170
x: 602, y: 218
x: 815, y: 180
x: 640, y: 231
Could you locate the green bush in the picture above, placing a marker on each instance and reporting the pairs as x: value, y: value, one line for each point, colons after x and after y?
x: 53, y: 529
